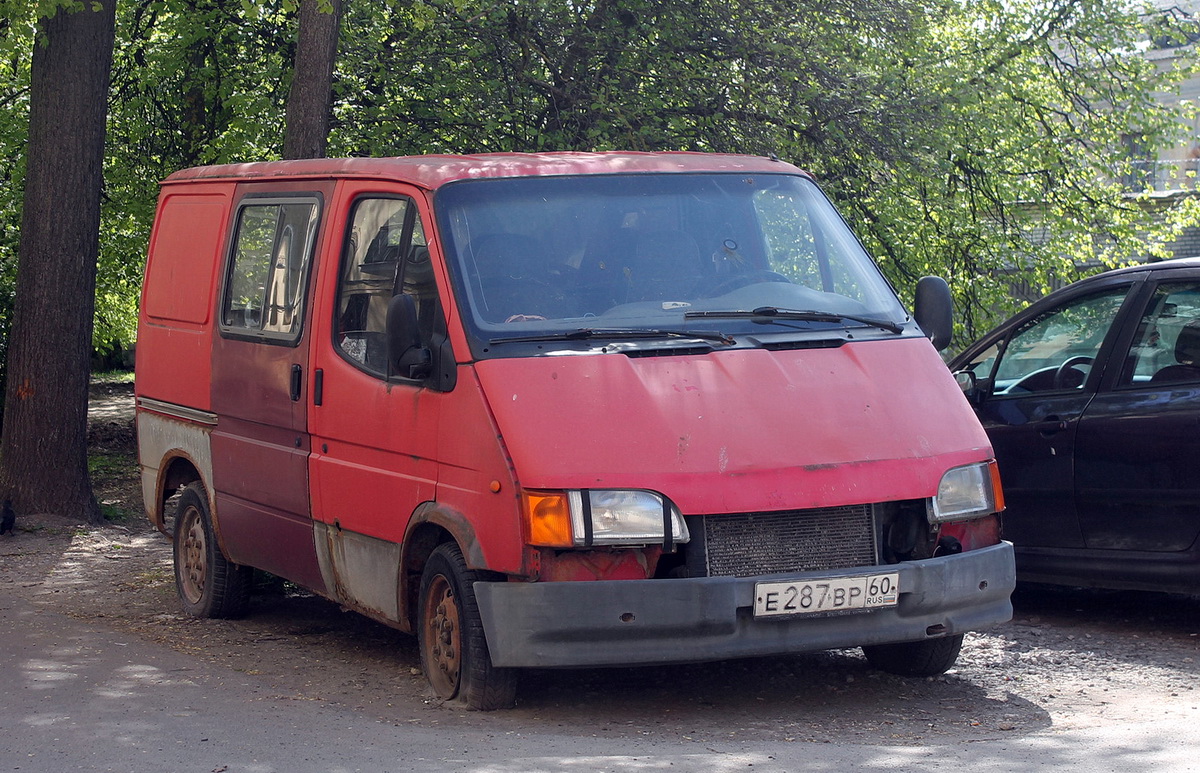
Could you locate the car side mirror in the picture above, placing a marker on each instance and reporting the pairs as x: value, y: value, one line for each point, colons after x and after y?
x: 407, y: 358
x: 934, y: 310
x: 965, y: 380
x: 976, y: 389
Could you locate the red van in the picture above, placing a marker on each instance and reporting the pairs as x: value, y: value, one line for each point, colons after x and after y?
x: 561, y: 410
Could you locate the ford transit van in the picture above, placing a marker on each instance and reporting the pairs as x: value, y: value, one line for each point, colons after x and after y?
x: 561, y: 410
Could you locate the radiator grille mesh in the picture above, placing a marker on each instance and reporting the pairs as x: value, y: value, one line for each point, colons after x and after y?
x: 750, y: 544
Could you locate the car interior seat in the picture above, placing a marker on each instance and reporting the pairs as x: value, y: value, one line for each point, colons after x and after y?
x: 1187, y: 357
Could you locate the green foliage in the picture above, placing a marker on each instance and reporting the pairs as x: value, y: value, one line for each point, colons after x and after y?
x: 1016, y: 163
x: 194, y: 82
x: 980, y: 141
x: 16, y: 39
x: 974, y: 139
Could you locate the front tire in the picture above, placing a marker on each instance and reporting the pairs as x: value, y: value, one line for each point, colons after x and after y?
x: 930, y: 657
x: 209, y: 584
x: 454, y: 652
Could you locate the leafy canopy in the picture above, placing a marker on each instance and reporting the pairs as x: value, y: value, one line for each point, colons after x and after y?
x: 980, y: 140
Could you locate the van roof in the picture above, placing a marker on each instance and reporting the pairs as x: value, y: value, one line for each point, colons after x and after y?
x: 433, y: 171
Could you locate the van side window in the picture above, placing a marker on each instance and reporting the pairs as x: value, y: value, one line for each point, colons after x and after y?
x: 268, y: 269
x: 385, y: 255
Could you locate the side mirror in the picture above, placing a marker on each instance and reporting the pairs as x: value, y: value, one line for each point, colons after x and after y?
x: 966, y: 381
x: 407, y: 358
x: 934, y: 310
x: 976, y: 389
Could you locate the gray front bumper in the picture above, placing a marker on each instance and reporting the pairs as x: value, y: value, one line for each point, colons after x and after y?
x: 632, y: 622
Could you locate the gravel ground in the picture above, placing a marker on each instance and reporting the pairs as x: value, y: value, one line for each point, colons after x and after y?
x: 1070, y: 659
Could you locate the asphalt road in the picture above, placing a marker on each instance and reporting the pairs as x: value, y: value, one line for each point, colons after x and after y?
x: 79, y: 696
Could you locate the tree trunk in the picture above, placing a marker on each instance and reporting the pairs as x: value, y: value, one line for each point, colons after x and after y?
x: 310, y: 98
x: 43, y: 450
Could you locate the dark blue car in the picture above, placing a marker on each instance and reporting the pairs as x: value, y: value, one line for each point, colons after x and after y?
x: 1091, y: 397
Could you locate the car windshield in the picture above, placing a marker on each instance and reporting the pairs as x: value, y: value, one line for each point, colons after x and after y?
x: 544, y: 258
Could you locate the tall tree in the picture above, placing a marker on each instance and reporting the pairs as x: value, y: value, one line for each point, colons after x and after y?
x: 309, y: 101
x: 43, y: 449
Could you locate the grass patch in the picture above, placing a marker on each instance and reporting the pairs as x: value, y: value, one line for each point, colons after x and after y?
x: 106, y: 467
x: 108, y: 472
x: 113, y: 377
x: 114, y: 514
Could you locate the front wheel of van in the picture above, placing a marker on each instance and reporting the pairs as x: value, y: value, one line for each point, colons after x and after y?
x: 209, y: 584
x: 916, y: 658
x: 454, y: 652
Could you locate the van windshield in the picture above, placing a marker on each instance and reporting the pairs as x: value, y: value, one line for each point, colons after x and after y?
x: 540, y: 258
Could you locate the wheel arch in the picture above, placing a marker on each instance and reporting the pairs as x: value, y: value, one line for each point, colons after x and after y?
x: 431, y: 525
x: 173, y: 451
x: 178, y: 470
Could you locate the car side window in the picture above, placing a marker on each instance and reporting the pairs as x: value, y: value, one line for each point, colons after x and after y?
x: 268, y: 268
x: 385, y: 255
x: 1055, y: 351
x: 1166, y: 345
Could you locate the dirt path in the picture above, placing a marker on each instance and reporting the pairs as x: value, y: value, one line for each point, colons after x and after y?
x: 1070, y: 659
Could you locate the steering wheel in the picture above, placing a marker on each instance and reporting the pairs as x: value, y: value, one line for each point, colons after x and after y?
x: 1060, y: 375
x: 748, y: 278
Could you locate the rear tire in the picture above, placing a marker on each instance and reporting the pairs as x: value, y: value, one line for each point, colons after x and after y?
x: 916, y: 658
x: 454, y: 652
x: 209, y: 584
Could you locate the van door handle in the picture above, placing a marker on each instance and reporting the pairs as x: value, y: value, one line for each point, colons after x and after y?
x: 318, y: 386
x: 297, y: 381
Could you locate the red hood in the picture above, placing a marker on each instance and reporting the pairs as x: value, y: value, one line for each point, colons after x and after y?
x: 739, y: 430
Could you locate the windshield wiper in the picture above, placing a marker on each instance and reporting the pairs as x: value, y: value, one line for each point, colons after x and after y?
x: 766, y: 314
x: 588, y: 333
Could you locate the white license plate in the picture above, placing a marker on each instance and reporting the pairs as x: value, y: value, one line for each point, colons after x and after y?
x: 829, y: 595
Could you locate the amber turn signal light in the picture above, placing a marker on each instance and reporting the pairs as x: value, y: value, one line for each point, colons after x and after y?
x: 549, y: 517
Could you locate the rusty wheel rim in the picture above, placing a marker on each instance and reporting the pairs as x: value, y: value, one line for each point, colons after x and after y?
x: 443, y: 650
x: 193, y: 567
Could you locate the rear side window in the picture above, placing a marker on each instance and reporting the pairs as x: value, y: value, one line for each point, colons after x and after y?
x: 268, y: 268
x: 1166, y: 346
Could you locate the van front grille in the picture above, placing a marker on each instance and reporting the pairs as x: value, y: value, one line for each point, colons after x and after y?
x: 752, y: 544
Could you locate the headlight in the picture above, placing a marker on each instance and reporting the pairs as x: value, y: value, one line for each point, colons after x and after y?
x: 967, y: 492
x: 602, y: 517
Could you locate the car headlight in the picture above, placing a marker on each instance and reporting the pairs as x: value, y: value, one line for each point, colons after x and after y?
x: 967, y: 492
x: 588, y: 517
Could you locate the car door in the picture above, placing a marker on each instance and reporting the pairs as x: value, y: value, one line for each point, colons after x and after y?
x: 374, y: 421
x: 260, y: 444
x: 1043, y: 373
x: 1138, y: 443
